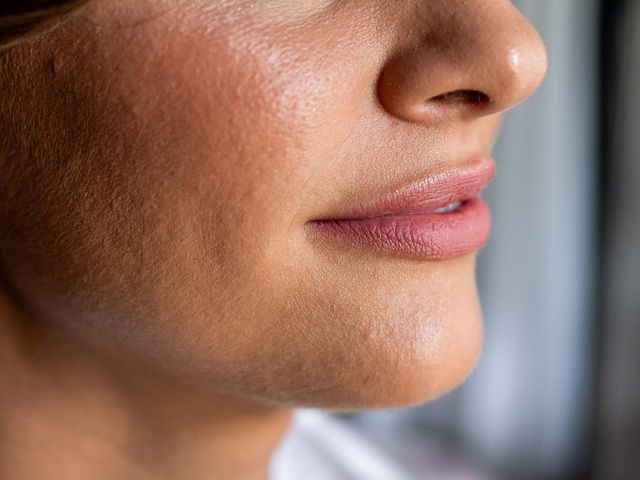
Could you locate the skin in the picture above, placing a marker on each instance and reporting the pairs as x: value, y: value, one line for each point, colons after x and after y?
x: 162, y: 308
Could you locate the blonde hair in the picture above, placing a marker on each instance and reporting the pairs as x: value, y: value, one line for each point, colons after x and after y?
x: 21, y: 18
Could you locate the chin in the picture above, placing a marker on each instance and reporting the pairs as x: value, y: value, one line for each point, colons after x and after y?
x: 396, y: 340
x: 406, y: 372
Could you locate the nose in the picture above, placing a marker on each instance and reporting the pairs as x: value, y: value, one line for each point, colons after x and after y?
x: 468, y: 59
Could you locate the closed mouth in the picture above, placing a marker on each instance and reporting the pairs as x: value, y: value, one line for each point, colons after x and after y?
x: 438, y: 217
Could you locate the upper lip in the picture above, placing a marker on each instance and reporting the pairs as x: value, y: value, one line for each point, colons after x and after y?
x: 431, y: 192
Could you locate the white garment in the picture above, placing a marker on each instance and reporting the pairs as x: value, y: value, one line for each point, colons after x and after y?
x: 322, y: 446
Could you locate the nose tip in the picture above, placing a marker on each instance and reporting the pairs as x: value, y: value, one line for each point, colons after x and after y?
x: 477, y: 64
x: 519, y: 69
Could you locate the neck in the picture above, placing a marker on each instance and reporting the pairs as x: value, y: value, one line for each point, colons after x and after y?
x: 66, y: 413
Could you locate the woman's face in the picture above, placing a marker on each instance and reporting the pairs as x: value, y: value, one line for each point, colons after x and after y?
x: 165, y: 160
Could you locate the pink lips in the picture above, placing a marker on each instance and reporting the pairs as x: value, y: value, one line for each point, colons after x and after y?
x: 406, y: 223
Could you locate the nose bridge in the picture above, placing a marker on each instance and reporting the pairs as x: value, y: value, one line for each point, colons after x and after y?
x: 468, y: 58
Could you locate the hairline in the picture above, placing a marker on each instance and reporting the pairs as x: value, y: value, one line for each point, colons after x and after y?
x: 21, y: 19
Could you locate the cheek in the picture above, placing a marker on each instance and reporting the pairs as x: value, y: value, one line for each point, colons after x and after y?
x: 168, y: 217
x: 171, y: 192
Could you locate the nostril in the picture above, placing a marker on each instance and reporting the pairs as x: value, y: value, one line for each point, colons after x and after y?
x: 462, y: 97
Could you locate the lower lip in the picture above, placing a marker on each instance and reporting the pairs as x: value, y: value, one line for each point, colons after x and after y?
x: 428, y: 236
